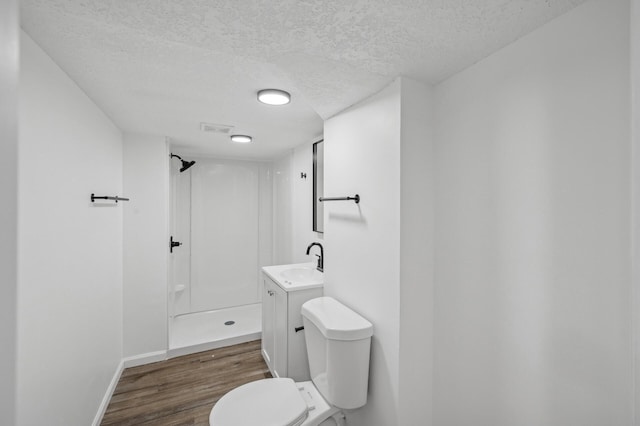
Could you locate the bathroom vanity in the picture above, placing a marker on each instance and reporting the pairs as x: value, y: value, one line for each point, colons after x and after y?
x: 285, y: 289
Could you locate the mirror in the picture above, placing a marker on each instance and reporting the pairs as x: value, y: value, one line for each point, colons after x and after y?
x: 318, y: 186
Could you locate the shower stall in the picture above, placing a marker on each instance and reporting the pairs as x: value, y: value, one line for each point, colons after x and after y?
x: 221, y: 221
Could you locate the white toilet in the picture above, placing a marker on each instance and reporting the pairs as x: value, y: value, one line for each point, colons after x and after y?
x: 338, y: 347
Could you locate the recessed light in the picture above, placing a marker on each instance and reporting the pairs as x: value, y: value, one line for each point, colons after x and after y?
x: 241, y: 138
x: 274, y: 97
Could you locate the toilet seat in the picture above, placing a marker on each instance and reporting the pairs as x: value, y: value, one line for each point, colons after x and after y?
x: 267, y: 402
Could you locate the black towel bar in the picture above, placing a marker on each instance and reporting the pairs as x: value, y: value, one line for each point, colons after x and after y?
x: 355, y: 198
x: 106, y: 197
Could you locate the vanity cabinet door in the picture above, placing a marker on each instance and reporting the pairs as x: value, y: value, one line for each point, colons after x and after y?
x: 280, y: 364
x: 268, y: 318
x: 283, y: 348
x: 274, y: 327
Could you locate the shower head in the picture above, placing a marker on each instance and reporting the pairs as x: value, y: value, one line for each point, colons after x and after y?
x: 185, y: 164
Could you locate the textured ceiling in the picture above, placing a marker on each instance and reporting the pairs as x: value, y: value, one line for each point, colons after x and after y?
x: 164, y: 66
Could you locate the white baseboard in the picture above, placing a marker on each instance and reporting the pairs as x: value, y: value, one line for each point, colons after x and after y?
x: 107, y: 396
x: 132, y: 361
x: 142, y: 359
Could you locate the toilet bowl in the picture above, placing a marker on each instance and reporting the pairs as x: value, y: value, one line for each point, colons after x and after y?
x: 338, y: 344
x: 274, y: 402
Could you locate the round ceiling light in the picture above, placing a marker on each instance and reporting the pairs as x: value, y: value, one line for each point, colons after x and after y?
x: 274, y: 97
x: 241, y: 138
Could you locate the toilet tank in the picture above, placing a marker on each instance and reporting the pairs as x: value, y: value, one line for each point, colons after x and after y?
x: 338, y: 347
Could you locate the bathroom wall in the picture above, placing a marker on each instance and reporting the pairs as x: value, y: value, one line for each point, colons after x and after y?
x: 417, y: 247
x: 635, y: 183
x: 379, y: 253
x: 293, y: 214
x: 69, y: 250
x: 362, y: 241
x: 303, y: 234
x: 9, y: 45
x: 282, y: 210
x: 533, y: 318
x: 265, y: 218
x: 532, y: 260
x: 146, y: 244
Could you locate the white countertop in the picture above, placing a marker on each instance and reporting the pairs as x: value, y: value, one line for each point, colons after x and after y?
x: 275, y: 272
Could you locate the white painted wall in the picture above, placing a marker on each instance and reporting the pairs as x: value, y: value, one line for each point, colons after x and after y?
x: 362, y: 241
x: 292, y: 209
x: 380, y: 253
x: 69, y: 250
x: 635, y: 183
x: 283, y: 211
x: 146, y: 244
x: 417, y: 249
x: 265, y: 224
x: 9, y: 46
x: 302, y: 197
x: 532, y: 223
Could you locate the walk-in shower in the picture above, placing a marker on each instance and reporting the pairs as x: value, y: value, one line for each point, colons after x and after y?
x: 221, y: 236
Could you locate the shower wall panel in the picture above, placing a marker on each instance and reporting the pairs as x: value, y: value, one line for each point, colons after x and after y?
x: 225, y: 216
x: 180, y: 258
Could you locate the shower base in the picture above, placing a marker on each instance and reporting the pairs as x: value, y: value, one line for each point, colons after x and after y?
x: 201, y: 331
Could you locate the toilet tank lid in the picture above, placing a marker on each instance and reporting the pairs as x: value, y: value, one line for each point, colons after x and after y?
x: 335, y: 321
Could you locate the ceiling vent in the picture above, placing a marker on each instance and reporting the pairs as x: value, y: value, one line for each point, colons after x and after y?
x: 215, y: 128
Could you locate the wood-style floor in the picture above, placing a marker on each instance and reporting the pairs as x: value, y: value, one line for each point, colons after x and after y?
x: 181, y: 391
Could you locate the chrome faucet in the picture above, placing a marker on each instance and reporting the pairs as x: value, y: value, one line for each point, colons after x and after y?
x: 320, y: 266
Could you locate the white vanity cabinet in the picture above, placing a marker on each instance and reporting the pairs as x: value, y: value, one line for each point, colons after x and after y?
x: 283, y: 348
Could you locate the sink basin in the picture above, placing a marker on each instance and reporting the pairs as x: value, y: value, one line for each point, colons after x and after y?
x: 301, y: 275
x: 294, y: 277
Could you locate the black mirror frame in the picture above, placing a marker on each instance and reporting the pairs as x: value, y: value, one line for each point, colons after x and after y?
x: 315, y: 188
